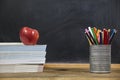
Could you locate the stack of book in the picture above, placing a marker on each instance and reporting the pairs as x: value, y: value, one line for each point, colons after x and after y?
x: 16, y: 57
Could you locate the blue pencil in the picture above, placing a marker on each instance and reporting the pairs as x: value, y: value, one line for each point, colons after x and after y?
x: 112, y: 35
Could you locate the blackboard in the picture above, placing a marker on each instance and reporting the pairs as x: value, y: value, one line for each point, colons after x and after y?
x: 61, y: 24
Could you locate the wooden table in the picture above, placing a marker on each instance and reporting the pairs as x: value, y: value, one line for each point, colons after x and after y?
x: 65, y: 71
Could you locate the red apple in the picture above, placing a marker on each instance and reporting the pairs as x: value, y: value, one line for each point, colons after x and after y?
x: 29, y: 36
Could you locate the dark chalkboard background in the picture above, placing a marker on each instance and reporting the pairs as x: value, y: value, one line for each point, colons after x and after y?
x: 61, y: 24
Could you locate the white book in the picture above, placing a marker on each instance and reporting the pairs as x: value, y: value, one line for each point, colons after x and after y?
x: 24, y: 61
x: 14, y: 55
x: 17, y: 53
x: 11, y: 43
x: 21, y: 68
x: 22, y: 47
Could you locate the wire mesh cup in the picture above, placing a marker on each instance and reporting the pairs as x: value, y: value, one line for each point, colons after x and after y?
x: 100, y: 58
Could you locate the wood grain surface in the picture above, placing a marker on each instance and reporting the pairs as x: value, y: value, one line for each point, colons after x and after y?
x: 65, y: 71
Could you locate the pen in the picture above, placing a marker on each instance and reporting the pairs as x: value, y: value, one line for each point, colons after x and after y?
x: 112, y: 35
x: 101, y: 38
x: 89, y: 39
x: 95, y: 30
x: 109, y: 35
x: 105, y: 36
x: 94, y: 35
x: 90, y: 36
x: 98, y: 35
x: 89, y: 28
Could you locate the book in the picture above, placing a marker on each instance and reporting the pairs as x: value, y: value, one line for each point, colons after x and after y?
x: 20, y: 47
x: 21, y: 55
x: 23, y: 61
x: 17, y: 58
x: 17, y: 68
x: 13, y: 53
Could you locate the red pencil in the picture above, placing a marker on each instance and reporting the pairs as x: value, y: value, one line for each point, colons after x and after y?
x: 105, y: 32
